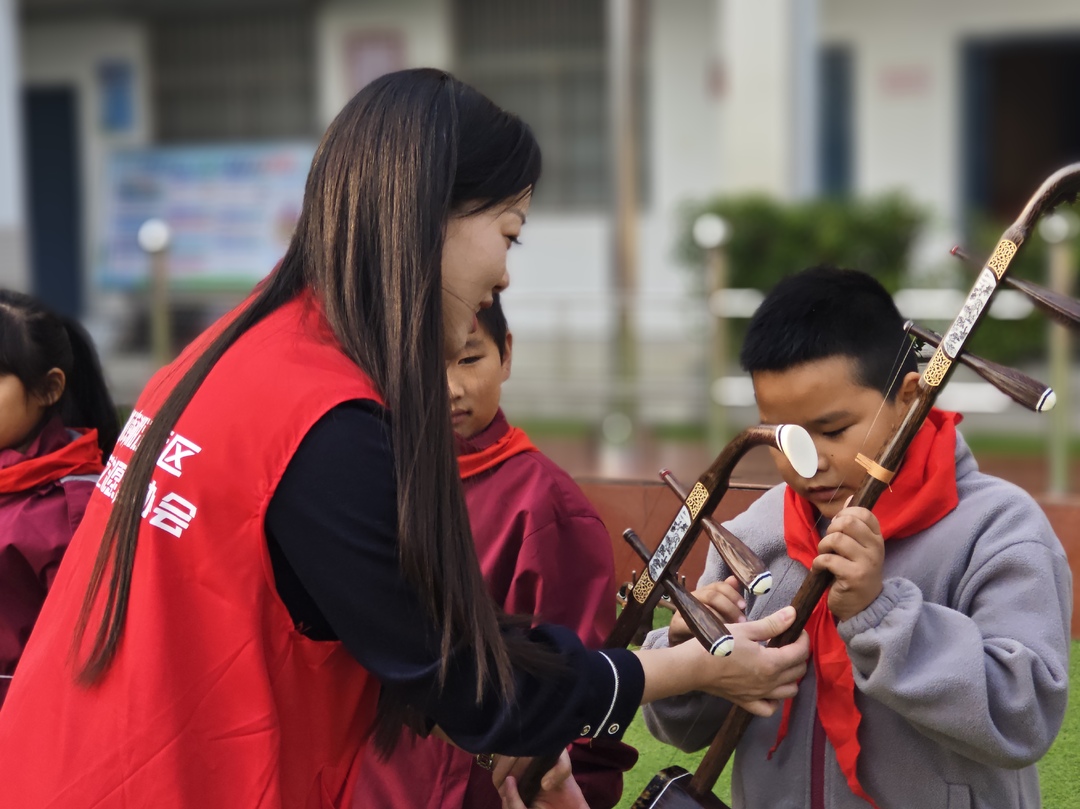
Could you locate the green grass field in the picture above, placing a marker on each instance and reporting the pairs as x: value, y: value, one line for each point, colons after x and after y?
x: 1059, y: 771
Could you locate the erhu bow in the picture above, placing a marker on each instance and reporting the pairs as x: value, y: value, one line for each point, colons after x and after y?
x: 659, y: 573
x: 675, y: 788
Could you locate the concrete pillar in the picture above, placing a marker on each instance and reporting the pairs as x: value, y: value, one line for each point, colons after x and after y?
x: 769, y: 58
x: 13, y: 259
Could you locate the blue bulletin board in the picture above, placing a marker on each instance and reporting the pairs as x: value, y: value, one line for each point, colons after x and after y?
x: 230, y: 209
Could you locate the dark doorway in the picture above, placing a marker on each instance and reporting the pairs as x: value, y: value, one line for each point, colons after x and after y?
x: 1022, y: 121
x: 836, y: 145
x: 52, y: 182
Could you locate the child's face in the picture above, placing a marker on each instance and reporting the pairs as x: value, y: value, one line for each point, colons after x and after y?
x: 475, y: 378
x: 842, y: 416
x: 20, y: 412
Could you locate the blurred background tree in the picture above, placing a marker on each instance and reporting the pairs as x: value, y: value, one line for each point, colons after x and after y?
x: 770, y: 239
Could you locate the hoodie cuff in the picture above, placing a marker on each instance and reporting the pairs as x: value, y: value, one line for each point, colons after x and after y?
x: 893, y: 594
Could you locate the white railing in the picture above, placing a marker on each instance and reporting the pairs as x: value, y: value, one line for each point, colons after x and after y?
x: 564, y: 354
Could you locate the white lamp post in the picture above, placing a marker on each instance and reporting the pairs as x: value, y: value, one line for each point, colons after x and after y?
x: 1058, y: 230
x: 154, y: 238
x: 711, y: 234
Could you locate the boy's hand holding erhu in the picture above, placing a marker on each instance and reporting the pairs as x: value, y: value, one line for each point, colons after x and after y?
x: 722, y: 597
x: 853, y: 550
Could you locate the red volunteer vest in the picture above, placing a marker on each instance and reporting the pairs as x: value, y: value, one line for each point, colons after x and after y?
x: 213, y: 699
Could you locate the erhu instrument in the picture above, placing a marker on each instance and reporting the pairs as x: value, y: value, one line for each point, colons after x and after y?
x: 675, y: 788
x: 659, y: 573
x: 747, y: 567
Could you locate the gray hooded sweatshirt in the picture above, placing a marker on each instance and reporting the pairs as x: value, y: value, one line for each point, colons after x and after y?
x: 960, y: 665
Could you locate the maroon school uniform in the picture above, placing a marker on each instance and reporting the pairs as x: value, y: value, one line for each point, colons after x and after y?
x: 43, y: 494
x: 543, y: 552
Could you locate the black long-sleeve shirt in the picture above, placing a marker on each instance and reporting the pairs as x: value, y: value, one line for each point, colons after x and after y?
x: 332, y: 534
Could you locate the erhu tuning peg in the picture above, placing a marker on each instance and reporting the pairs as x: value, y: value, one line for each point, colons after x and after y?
x: 1062, y: 308
x: 1021, y: 388
x: 743, y: 562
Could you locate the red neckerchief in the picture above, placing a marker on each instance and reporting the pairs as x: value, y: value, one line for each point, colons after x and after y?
x: 79, y: 457
x: 514, y: 442
x: 923, y: 491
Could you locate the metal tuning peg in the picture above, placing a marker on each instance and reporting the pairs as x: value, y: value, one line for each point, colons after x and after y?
x: 707, y: 628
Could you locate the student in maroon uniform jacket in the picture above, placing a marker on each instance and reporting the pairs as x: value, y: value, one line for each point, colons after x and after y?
x: 543, y: 551
x: 56, y: 422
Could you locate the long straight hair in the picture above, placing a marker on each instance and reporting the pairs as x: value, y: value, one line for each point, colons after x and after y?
x: 408, y: 152
x: 33, y: 341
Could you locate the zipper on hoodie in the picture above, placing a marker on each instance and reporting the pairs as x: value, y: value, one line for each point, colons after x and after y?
x: 817, y: 766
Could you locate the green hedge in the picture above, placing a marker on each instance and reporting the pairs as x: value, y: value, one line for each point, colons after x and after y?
x: 771, y: 239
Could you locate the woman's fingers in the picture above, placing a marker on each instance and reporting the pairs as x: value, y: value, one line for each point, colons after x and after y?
x: 770, y: 626
x: 761, y: 707
x: 500, y: 766
x: 558, y: 790
x: 754, y: 675
x: 555, y: 777
x: 509, y: 794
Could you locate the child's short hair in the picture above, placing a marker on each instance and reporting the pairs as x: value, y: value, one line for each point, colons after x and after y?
x: 493, y: 321
x: 826, y: 312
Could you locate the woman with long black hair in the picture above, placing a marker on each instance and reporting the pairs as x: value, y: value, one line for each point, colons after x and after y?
x: 277, y: 561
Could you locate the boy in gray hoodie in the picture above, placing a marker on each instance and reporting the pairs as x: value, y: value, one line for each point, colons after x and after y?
x: 939, y: 658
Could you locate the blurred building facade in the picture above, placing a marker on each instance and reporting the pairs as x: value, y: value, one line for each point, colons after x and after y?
x: 962, y: 105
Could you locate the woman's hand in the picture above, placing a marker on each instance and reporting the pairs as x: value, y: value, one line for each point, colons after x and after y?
x: 558, y: 789
x: 754, y: 676
x: 758, y: 677
x: 722, y: 597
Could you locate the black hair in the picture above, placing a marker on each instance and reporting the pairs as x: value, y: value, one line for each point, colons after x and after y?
x: 493, y: 321
x: 409, y: 151
x: 826, y: 312
x: 33, y: 341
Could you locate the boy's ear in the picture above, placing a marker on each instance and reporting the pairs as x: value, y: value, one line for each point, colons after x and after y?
x: 909, y: 387
x: 507, y: 356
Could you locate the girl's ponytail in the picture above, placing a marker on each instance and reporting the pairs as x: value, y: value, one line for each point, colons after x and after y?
x: 88, y: 403
x: 34, y: 340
